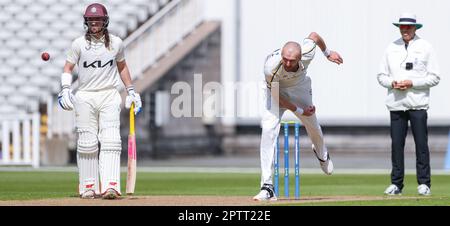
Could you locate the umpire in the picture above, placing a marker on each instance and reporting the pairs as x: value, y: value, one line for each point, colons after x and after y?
x: 408, y: 69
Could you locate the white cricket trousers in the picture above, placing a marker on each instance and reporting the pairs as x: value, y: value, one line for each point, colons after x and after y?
x: 301, y: 96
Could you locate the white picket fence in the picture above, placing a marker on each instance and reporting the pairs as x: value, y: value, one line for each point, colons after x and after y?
x: 20, y: 138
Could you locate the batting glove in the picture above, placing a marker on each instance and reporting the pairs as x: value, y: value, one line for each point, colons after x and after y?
x: 66, y: 99
x: 135, y: 98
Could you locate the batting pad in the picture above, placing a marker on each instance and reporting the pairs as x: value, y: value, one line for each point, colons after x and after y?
x: 88, y: 172
x: 87, y: 141
x: 110, y: 170
x: 109, y: 136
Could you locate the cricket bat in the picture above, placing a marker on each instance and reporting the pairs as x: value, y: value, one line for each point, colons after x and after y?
x: 131, y: 176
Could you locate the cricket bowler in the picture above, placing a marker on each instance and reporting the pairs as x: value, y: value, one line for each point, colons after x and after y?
x: 287, y: 67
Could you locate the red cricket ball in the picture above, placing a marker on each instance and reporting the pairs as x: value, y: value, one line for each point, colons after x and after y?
x: 45, y: 56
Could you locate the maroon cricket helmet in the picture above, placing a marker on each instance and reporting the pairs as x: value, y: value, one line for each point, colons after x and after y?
x: 96, y: 10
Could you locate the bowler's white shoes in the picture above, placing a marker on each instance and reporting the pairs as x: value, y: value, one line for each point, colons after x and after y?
x: 423, y: 189
x: 266, y: 194
x: 326, y: 165
x: 392, y: 190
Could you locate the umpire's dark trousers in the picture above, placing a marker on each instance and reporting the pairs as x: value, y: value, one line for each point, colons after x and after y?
x: 399, y: 128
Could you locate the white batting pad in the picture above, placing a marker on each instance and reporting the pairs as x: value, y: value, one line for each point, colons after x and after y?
x: 110, y: 148
x: 87, y: 159
x: 87, y: 141
x: 88, y: 172
x: 110, y: 170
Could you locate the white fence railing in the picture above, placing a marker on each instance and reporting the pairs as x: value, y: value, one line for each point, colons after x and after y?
x: 162, y: 32
x: 20, y: 137
x: 61, y: 123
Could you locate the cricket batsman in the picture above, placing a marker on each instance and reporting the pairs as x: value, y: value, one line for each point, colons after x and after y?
x: 287, y: 68
x: 100, y: 59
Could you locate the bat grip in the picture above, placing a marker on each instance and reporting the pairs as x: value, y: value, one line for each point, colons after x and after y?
x: 132, y: 119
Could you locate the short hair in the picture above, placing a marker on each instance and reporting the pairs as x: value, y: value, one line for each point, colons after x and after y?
x: 293, y: 46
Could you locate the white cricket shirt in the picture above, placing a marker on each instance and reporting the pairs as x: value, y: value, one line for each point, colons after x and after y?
x: 285, y: 78
x: 97, y: 65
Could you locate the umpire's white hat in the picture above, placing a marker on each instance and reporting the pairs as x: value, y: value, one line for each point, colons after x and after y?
x: 408, y: 19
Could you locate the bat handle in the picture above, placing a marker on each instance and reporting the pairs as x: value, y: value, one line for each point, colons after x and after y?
x: 132, y: 119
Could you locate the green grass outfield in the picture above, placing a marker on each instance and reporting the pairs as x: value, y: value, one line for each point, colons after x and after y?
x: 44, y: 185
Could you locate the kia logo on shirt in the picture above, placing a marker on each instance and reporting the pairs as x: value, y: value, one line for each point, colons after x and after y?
x: 97, y: 64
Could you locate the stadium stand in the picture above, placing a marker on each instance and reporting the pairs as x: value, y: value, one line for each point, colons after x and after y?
x: 31, y: 27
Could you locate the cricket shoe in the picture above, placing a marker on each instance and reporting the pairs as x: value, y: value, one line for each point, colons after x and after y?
x: 110, y: 194
x: 423, y: 189
x: 89, y: 194
x: 326, y: 165
x: 266, y: 194
x: 393, y: 190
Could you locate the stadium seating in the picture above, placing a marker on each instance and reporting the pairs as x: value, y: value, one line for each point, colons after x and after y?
x: 30, y: 27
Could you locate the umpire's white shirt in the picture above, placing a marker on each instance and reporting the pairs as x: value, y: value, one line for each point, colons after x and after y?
x: 97, y: 65
x: 425, y: 74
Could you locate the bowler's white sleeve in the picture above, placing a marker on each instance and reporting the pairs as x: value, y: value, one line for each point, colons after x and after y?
x: 73, y: 55
x: 384, y: 77
x: 120, y: 54
x: 432, y: 78
x: 308, y: 49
